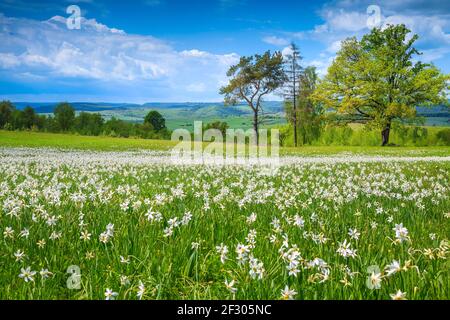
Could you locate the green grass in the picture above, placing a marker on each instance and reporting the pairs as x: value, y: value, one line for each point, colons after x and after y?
x: 68, y: 141
x: 70, y: 194
x: 366, y: 150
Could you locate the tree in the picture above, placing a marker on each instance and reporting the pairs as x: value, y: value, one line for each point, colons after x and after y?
x: 16, y: 120
x: 293, y: 72
x: 156, y: 120
x: 29, y: 117
x: 65, y: 116
x: 89, y: 123
x: 309, y: 112
x: 253, y: 78
x: 6, y: 111
x: 376, y: 81
x: 219, y: 125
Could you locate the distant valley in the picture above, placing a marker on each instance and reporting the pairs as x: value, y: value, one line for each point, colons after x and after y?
x: 184, y: 114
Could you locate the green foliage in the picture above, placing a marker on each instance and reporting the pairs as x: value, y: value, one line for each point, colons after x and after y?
x: 65, y: 116
x: 444, y: 136
x: 376, y: 80
x: 293, y: 72
x: 29, y: 118
x: 308, y: 115
x: 155, y: 120
x: 118, y: 128
x: 345, y: 135
x: 13, y: 119
x: 6, y: 111
x: 253, y: 78
x: 89, y: 124
x: 219, y: 125
x: 93, y: 124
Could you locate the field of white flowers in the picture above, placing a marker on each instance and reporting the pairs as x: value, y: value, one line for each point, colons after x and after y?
x: 133, y: 225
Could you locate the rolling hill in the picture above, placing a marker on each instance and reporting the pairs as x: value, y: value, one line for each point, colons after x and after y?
x: 180, y: 114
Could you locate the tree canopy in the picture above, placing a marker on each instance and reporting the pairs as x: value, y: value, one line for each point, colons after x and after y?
x: 64, y: 115
x: 156, y: 120
x: 377, y: 80
x: 253, y: 78
x: 6, y: 111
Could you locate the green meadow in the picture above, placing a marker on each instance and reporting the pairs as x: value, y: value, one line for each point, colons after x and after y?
x: 29, y: 139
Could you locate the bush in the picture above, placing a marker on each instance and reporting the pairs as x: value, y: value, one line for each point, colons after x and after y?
x: 401, y: 135
x: 443, y: 136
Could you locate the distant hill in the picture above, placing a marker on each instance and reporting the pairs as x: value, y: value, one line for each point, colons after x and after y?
x: 48, y: 107
x: 216, y: 107
x: 185, y: 113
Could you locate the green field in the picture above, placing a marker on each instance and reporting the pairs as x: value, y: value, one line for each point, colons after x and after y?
x: 67, y: 141
x: 183, y: 115
x: 126, y: 225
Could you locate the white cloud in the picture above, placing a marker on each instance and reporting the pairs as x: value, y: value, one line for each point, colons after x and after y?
x: 321, y: 64
x: 194, y: 53
x: 346, y: 18
x: 286, y: 51
x: 431, y: 55
x: 109, y: 58
x: 335, y: 46
x: 340, y: 20
x: 276, y: 41
x: 196, y: 87
x: 8, y: 60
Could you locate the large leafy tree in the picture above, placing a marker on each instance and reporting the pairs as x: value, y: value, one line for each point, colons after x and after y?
x: 310, y: 113
x: 6, y: 111
x: 376, y: 80
x: 218, y: 125
x: 156, y: 120
x: 89, y: 123
x: 29, y: 117
x: 253, y: 78
x: 65, y: 116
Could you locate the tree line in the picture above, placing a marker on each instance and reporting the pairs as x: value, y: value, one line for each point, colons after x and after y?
x: 65, y: 120
x: 377, y: 81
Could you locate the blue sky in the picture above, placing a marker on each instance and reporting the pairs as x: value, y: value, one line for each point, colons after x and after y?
x: 169, y: 50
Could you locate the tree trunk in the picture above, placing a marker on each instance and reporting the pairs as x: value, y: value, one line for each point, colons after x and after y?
x: 385, y: 134
x: 295, y: 125
x: 294, y: 107
x: 255, y: 126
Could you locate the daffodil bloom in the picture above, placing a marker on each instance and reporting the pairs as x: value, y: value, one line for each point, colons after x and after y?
x: 110, y: 294
x: 230, y: 286
x: 27, y: 274
x: 141, y: 290
x: 288, y: 294
x: 398, y: 295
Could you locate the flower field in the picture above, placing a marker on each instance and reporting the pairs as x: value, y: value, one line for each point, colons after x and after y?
x: 133, y: 225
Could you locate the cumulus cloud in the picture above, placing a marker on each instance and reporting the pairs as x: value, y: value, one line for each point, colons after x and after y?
x: 8, y: 60
x: 429, y: 19
x: 107, y: 56
x: 276, y: 41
